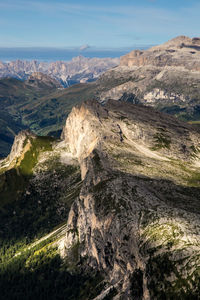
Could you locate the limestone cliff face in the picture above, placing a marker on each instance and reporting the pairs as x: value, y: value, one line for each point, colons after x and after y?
x: 93, y: 126
x: 136, y: 218
x: 82, y: 131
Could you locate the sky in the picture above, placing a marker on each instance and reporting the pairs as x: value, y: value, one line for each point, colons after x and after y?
x: 101, y: 24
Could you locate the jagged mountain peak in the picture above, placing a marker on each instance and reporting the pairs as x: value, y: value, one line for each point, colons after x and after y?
x: 79, y: 69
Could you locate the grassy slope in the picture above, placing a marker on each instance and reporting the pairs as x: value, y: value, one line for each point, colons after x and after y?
x: 8, y: 129
x: 13, y: 95
x: 49, y: 113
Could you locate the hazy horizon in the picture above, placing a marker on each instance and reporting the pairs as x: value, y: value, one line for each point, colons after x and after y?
x: 48, y: 54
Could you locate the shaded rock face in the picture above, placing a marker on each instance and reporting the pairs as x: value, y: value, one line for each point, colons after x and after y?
x: 136, y: 218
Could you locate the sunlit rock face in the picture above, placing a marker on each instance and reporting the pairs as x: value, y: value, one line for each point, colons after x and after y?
x: 133, y: 213
x: 136, y: 218
x: 82, y: 130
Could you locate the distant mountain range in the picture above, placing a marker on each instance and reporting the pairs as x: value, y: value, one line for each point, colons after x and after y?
x: 79, y: 69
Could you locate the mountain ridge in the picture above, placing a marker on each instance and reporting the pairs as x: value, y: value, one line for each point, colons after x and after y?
x: 109, y: 219
x: 134, y: 216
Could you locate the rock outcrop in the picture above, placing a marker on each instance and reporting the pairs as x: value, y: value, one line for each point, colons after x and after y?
x: 21, y: 145
x: 136, y: 218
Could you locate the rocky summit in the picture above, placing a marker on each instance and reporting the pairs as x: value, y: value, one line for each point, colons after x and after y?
x: 181, y: 51
x: 115, y: 207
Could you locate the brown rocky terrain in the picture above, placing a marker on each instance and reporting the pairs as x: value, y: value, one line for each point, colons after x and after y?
x: 168, y: 80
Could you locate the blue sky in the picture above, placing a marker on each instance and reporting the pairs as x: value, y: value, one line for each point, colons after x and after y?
x: 103, y: 24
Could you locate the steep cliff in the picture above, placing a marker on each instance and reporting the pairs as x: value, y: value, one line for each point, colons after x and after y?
x: 136, y: 219
x: 37, y: 104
